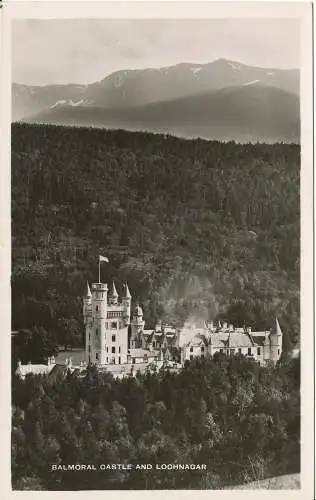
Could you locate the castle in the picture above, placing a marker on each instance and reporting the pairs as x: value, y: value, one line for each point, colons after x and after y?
x: 116, y: 340
x: 264, y: 346
x: 116, y: 335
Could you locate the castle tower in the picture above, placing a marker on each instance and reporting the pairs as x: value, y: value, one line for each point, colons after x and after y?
x: 137, y: 324
x: 276, y: 337
x: 126, y: 302
x: 96, y: 341
x: 87, y: 303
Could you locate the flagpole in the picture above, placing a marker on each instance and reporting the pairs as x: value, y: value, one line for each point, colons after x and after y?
x: 99, y: 270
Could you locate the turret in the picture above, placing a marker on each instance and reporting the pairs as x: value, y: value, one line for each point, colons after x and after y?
x: 137, y: 324
x: 276, y: 337
x: 87, y: 300
x: 126, y: 301
x: 99, y: 317
x: 113, y: 298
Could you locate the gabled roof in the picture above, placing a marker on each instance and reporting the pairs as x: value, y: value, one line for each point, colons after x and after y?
x: 196, y: 341
x: 260, y: 341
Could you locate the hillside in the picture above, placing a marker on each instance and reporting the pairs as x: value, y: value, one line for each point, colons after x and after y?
x: 286, y: 482
x: 129, y: 88
x: 250, y: 113
x: 240, y: 420
x: 197, y: 228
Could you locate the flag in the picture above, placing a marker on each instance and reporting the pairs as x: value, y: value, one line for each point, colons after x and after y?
x: 103, y: 259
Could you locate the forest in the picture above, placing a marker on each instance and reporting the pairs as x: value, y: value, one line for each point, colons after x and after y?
x: 239, y: 419
x: 197, y: 228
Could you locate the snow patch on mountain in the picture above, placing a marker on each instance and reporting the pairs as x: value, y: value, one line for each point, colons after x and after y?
x: 251, y: 83
x: 57, y: 103
x: 234, y: 65
x: 196, y: 71
x: 69, y: 102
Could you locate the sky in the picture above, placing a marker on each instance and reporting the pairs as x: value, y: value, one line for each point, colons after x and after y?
x: 84, y: 51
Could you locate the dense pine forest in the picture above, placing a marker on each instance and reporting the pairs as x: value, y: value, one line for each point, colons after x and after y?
x: 196, y: 228
x: 239, y: 419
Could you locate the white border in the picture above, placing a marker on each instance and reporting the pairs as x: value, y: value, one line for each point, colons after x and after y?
x: 176, y: 10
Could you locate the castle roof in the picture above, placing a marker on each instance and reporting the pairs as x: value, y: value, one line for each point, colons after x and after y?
x: 127, y: 292
x: 277, y: 327
x: 114, y: 291
x: 196, y: 341
x: 87, y: 292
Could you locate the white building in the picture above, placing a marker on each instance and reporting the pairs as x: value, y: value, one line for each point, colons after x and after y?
x: 35, y: 369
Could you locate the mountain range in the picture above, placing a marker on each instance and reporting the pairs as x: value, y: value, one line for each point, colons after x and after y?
x: 222, y: 100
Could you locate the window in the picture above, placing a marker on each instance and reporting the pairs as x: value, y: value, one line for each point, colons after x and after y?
x: 239, y: 350
x: 232, y: 351
x: 89, y: 336
x: 258, y: 351
x: 96, y: 308
x: 249, y: 351
x: 133, y: 361
x: 202, y: 356
x: 202, y: 349
x: 119, y: 349
x: 154, y: 344
x: 97, y: 356
x: 107, y: 360
x: 113, y: 361
x: 113, y: 324
x: 278, y: 351
x: 119, y: 360
x: 113, y: 338
x: 89, y: 348
x: 106, y: 325
x: 113, y: 350
x: 191, y: 357
x: 96, y: 331
x: 107, y: 349
x: 191, y: 349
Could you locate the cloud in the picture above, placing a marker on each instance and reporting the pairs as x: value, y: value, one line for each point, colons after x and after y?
x: 82, y: 51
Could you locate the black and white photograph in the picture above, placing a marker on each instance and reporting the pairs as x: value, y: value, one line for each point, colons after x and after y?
x: 156, y: 226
